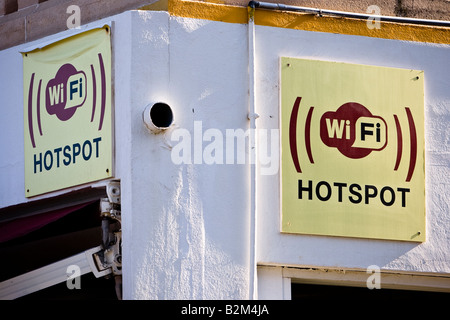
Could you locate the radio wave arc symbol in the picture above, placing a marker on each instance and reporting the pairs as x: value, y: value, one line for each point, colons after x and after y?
x: 413, y: 144
x: 94, y: 99
x: 293, y: 134
x: 103, y: 81
x: 30, y: 110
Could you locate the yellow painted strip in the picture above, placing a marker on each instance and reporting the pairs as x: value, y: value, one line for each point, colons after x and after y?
x: 307, y: 22
x: 357, y: 27
x: 161, y: 5
x: 208, y: 11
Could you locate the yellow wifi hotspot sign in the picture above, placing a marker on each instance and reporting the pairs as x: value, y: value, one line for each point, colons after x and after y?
x: 352, y: 150
x: 67, y: 112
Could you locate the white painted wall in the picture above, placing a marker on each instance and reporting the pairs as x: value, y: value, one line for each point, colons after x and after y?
x: 272, y: 285
x: 12, y: 183
x: 186, y: 228
x: 185, y: 225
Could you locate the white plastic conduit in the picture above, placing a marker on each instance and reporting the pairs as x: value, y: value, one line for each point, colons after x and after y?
x: 320, y: 12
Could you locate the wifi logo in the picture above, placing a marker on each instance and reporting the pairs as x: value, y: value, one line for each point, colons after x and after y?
x: 355, y: 132
x: 68, y: 91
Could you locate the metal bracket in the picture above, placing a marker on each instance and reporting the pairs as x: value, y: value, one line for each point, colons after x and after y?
x: 110, y: 207
x: 97, y: 267
x: 111, y: 256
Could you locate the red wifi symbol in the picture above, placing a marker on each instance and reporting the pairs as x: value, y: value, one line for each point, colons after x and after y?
x: 94, y: 99
x: 307, y: 134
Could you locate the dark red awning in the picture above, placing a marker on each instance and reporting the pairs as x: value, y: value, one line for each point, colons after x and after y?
x: 19, y: 227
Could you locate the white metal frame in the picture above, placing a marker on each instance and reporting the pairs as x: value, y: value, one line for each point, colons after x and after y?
x: 50, y: 275
x: 389, y: 279
x: 274, y: 281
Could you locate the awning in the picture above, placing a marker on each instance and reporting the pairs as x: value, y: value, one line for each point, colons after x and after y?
x: 19, y: 227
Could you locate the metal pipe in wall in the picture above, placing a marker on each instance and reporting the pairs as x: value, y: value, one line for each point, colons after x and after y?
x: 283, y: 7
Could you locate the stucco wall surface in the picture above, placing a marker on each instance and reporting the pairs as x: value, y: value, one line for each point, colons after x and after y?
x: 186, y: 228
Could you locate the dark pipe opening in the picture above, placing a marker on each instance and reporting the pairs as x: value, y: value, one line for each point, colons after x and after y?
x: 161, y: 115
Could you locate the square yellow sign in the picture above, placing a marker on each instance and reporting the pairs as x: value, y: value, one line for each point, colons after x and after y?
x: 67, y: 112
x: 352, y: 158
